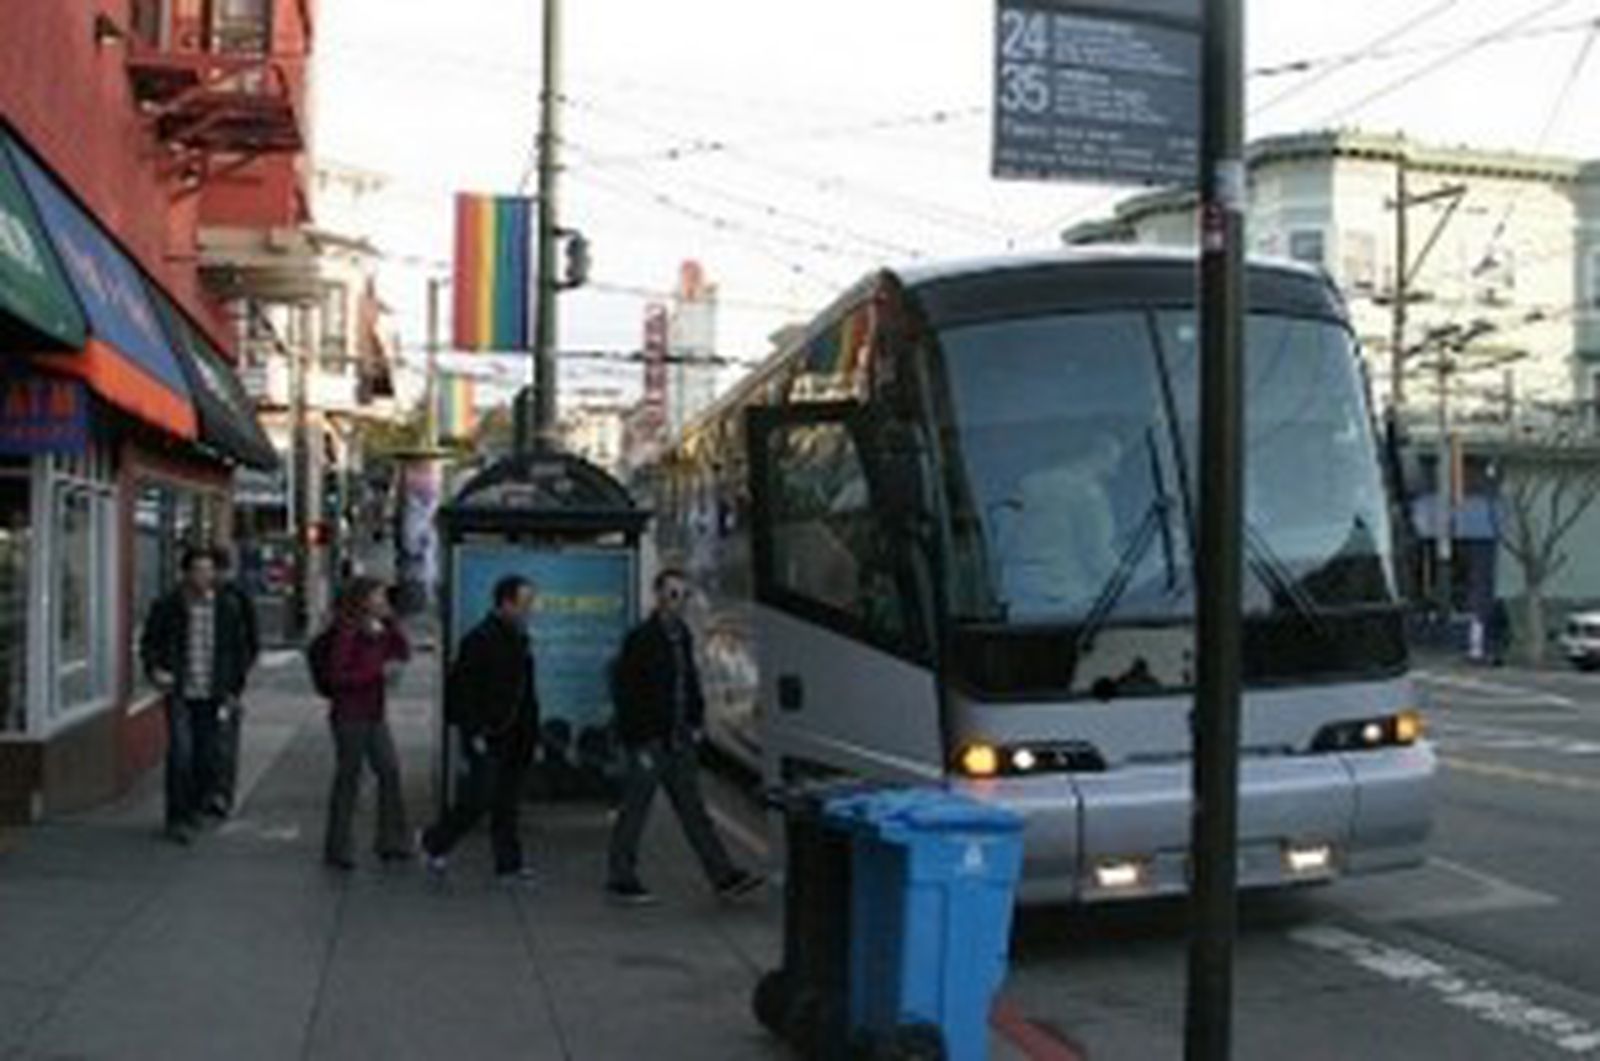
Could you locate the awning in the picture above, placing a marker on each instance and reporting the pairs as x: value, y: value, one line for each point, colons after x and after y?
x: 37, y: 308
x: 228, y: 425
x: 127, y: 358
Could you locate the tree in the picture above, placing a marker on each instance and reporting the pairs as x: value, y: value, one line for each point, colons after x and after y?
x: 1547, y: 484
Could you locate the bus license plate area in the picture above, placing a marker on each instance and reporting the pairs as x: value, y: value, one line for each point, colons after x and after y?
x: 1294, y: 820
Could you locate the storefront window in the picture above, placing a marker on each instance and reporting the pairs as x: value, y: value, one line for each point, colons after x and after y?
x: 77, y: 601
x: 81, y: 610
x: 15, y: 542
x: 166, y: 519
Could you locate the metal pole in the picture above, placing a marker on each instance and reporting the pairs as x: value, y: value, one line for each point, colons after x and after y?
x: 300, y: 474
x: 1444, y: 525
x: 542, y: 425
x: 1214, y: 839
x: 430, y: 392
x: 1397, y: 323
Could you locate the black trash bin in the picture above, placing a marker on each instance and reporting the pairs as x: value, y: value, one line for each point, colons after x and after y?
x: 806, y: 1000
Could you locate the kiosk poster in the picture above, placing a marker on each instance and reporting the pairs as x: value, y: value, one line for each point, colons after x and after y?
x: 586, y: 604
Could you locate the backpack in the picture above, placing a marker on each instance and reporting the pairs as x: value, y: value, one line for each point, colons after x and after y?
x: 319, y: 660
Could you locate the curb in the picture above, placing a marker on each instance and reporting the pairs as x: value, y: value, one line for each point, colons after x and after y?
x: 1035, y: 1042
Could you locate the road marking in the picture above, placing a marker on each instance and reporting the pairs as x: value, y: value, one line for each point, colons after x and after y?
x: 1502, y: 738
x: 1483, y: 1000
x: 279, y: 657
x: 1517, y: 693
x: 1517, y: 773
x: 1449, y: 890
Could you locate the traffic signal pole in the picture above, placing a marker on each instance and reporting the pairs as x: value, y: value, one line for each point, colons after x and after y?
x: 1214, y: 827
x: 541, y: 427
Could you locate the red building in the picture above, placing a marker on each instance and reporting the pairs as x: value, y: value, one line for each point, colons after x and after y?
x: 128, y: 130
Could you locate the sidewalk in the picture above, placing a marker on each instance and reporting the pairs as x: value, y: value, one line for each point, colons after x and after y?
x: 116, y: 944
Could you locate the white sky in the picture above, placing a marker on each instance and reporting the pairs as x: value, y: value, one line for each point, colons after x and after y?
x: 835, y: 159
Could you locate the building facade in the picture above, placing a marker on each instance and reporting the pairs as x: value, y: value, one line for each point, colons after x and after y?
x: 123, y: 130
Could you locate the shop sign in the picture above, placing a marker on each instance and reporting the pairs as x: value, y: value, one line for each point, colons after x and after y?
x: 42, y: 414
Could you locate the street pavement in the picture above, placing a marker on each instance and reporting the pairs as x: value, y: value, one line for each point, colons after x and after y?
x: 1491, y: 950
x: 116, y: 944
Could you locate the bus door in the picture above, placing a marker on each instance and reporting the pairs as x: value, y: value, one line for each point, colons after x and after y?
x: 842, y: 620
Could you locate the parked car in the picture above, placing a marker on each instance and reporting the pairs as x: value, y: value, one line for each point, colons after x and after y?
x: 1581, y: 640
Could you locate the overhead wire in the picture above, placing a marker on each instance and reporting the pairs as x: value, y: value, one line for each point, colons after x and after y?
x: 1362, y: 54
x: 1453, y: 56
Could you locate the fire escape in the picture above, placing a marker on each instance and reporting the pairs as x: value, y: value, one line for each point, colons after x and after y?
x: 212, y: 90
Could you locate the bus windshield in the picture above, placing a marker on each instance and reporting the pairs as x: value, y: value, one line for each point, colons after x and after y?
x: 1073, y: 460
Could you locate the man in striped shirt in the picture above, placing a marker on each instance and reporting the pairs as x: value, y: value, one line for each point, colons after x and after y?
x: 198, y: 646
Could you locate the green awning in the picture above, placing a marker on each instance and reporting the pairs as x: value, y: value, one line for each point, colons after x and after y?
x: 38, y: 311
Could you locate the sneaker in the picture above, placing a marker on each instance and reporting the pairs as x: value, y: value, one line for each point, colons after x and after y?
x: 738, y: 884
x: 434, y: 864
x: 217, y: 807
x: 180, y: 834
x: 630, y: 893
x: 519, y: 875
x: 342, y: 863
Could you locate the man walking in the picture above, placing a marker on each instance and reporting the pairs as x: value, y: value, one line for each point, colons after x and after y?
x: 198, y: 646
x: 492, y: 699
x: 660, y: 711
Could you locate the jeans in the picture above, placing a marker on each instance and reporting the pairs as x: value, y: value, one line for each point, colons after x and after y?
x: 356, y: 744
x: 673, y: 767
x: 225, y: 776
x: 493, y: 783
x: 192, y: 731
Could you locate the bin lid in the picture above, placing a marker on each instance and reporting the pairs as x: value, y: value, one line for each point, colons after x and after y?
x: 932, y: 810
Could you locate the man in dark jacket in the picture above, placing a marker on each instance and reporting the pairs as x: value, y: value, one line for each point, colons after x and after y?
x: 198, y: 646
x: 492, y: 700
x: 660, y: 713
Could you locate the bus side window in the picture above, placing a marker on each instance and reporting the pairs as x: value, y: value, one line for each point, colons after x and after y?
x: 827, y: 541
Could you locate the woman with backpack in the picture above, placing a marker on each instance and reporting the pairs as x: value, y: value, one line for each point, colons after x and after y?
x: 355, y: 660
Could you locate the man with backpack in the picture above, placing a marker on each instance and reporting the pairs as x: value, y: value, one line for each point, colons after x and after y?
x: 492, y: 700
x: 198, y: 646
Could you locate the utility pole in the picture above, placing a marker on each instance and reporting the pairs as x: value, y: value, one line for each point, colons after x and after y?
x: 1397, y: 323
x: 1444, y: 484
x: 430, y: 392
x: 1214, y: 836
x: 541, y: 426
x: 300, y: 486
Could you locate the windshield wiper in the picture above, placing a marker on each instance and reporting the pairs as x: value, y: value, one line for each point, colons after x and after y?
x: 1276, y: 575
x: 1155, y: 522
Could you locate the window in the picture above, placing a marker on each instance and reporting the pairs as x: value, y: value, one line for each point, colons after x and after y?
x: 241, y: 26
x: 15, y: 544
x: 335, y: 326
x: 81, y: 609
x: 165, y: 520
x: 828, y: 546
x: 76, y: 605
x: 1359, y: 264
x: 1592, y: 290
x: 1307, y: 245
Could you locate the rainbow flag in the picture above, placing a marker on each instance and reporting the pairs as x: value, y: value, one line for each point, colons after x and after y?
x: 457, y: 414
x: 494, y: 272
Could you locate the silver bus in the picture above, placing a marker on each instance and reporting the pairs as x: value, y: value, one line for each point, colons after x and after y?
x: 947, y: 536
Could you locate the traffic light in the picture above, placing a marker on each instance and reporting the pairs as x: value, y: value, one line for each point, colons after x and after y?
x: 576, y: 252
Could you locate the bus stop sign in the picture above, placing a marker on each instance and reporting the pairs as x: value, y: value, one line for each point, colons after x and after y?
x: 1085, y: 92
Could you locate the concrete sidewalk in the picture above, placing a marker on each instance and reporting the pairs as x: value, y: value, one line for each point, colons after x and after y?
x: 116, y: 944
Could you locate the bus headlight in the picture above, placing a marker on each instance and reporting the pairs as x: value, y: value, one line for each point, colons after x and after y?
x: 983, y: 760
x: 1399, y: 729
x: 980, y: 760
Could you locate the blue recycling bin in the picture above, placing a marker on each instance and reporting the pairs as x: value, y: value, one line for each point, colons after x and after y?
x: 933, y: 881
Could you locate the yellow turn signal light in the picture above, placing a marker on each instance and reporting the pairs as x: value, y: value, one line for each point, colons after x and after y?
x: 980, y: 760
x: 1407, y: 727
